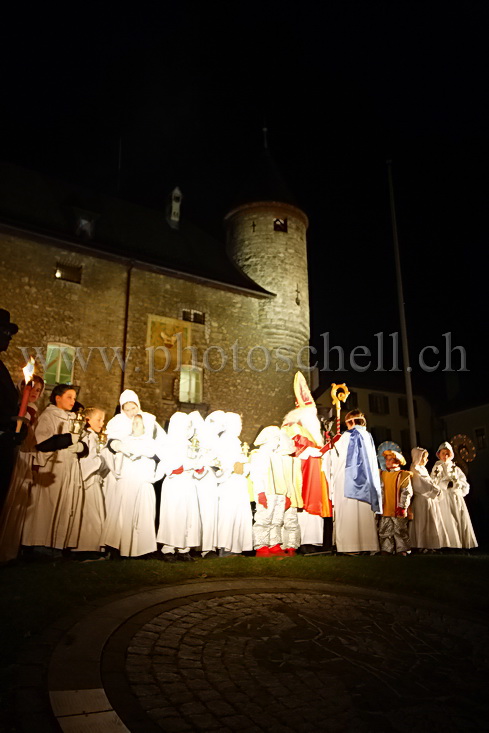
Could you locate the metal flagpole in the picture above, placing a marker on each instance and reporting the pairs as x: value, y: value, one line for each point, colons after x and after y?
x: 402, y: 314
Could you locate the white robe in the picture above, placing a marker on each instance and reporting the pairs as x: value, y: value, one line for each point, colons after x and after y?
x: 130, y: 521
x: 453, y: 509
x: 426, y: 529
x: 93, y: 512
x: 208, y: 497
x: 235, y: 519
x: 354, y: 522
x: 180, y: 525
x: 54, y: 512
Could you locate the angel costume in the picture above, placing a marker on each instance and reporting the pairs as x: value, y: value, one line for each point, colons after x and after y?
x: 54, y: 513
x: 235, y: 518
x: 135, y: 463
x: 356, y: 492
x: 426, y: 530
x: 454, y: 486
x: 93, y: 467
x: 180, y: 526
x: 277, y: 486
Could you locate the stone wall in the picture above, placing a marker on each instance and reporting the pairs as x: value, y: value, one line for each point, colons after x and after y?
x: 92, y: 314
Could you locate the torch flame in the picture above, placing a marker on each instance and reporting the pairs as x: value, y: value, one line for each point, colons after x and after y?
x: 29, y: 370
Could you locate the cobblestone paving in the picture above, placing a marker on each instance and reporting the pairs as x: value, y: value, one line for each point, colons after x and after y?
x: 309, y: 662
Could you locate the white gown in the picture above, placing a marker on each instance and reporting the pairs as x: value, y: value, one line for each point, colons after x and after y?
x: 235, y: 519
x: 180, y: 524
x: 453, y: 509
x: 93, y: 512
x: 130, y: 499
x: 354, y: 522
x: 426, y: 529
x: 130, y: 522
x: 54, y: 512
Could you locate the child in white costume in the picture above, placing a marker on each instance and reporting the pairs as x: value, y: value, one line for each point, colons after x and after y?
x: 93, y: 467
x: 454, y: 486
x: 134, y: 451
x: 426, y: 530
x: 180, y: 527
x: 235, y: 518
x: 277, y: 486
x: 203, y: 449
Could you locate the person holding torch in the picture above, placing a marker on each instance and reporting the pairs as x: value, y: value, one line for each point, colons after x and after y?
x: 9, y: 438
x: 53, y: 517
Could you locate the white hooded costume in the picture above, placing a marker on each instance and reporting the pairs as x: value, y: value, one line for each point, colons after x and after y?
x: 454, y: 486
x: 131, y: 502
x: 180, y: 526
x: 235, y: 519
x: 426, y: 530
x: 204, y: 450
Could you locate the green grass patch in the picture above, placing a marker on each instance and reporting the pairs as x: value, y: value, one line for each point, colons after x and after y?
x: 35, y: 594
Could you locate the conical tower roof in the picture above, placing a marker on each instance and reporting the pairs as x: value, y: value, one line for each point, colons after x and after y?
x: 264, y: 182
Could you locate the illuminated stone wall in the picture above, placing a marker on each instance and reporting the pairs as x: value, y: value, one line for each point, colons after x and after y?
x: 91, y: 314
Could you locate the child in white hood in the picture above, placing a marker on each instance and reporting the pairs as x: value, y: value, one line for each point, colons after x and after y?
x: 134, y: 451
x: 454, y: 486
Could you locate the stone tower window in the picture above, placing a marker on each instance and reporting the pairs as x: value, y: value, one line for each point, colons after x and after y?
x: 280, y: 225
x: 85, y: 227
x: 70, y: 273
x: 193, y: 316
x: 173, y: 210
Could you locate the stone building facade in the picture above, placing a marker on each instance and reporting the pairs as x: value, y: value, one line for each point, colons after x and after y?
x: 92, y: 284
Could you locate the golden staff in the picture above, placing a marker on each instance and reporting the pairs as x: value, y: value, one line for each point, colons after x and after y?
x: 339, y: 393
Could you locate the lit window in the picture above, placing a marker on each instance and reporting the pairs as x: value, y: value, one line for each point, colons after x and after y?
x: 378, y: 404
x: 70, y: 273
x: 190, y: 384
x: 280, y: 225
x: 480, y: 438
x: 60, y: 360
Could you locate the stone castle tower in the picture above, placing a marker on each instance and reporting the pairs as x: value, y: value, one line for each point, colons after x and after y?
x: 266, y: 238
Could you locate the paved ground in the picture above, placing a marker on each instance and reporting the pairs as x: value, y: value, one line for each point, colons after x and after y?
x: 258, y: 655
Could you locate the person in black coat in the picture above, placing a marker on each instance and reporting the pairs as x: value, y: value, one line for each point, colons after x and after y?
x: 9, y: 407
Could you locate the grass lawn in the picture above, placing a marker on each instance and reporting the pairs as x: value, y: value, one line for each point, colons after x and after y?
x: 35, y: 594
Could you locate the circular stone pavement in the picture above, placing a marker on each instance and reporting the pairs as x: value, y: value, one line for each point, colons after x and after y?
x: 269, y: 655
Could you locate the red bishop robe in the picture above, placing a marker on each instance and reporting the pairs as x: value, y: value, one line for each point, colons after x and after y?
x: 315, y: 491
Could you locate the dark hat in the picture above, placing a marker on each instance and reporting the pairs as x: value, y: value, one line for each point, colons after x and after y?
x: 6, y: 324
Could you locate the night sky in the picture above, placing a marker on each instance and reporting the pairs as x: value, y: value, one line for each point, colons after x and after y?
x: 341, y: 88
